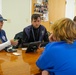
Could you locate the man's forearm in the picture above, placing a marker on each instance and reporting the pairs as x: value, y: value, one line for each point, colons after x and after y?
x: 3, y: 45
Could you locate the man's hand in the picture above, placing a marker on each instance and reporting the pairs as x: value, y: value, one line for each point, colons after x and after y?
x: 14, y: 42
x: 45, y: 72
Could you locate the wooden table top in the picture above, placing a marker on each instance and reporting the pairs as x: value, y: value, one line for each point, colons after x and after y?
x: 24, y: 64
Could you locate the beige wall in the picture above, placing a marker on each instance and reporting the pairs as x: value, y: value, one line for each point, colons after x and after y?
x: 18, y: 14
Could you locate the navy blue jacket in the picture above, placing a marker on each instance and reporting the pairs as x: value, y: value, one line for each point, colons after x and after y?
x: 3, y: 37
x: 32, y: 35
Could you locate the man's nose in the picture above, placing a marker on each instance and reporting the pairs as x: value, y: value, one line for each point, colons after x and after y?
x: 37, y: 23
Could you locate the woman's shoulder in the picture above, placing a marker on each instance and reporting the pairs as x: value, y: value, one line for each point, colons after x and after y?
x: 54, y: 45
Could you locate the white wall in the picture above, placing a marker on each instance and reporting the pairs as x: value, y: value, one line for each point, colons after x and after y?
x: 0, y: 6
x: 75, y: 9
x: 70, y: 9
x: 18, y: 14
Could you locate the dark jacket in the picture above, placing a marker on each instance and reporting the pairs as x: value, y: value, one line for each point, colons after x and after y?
x: 3, y: 37
x: 31, y: 35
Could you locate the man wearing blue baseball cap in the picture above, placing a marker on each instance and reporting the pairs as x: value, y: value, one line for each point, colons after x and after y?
x: 3, y: 38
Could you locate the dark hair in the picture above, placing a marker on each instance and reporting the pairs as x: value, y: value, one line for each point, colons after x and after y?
x: 74, y: 18
x: 35, y: 16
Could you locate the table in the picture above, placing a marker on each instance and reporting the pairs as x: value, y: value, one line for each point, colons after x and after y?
x: 24, y: 64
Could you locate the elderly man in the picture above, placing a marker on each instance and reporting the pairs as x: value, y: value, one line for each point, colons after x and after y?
x: 3, y: 38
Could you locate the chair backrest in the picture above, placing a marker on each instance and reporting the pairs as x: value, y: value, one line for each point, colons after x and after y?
x: 19, y: 37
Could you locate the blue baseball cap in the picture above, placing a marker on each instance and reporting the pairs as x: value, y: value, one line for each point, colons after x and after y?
x: 2, y: 19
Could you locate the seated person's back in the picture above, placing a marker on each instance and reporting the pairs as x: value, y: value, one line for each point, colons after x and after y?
x: 59, y: 56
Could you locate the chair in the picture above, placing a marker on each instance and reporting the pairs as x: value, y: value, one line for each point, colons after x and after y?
x: 19, y: 37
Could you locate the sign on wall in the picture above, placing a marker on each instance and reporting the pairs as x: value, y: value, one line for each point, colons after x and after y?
x: 41, y: 7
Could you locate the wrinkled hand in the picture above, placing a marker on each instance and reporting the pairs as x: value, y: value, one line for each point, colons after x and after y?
x: 39, y: 46
x: 14, y: 42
